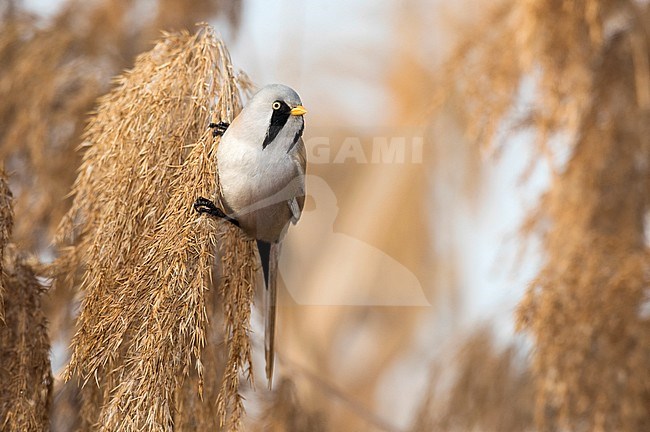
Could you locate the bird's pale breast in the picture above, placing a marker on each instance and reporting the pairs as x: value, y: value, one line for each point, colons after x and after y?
x: 256, y: 186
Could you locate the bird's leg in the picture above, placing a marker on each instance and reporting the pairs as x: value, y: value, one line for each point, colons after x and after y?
x: 204, y: 205
x: 218, y: 128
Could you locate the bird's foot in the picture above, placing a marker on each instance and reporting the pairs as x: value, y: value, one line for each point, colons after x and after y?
x: 218, y: 129
x: 204, y: 205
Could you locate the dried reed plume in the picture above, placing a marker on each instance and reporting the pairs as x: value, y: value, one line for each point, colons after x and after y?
x: 147, y: 258
x: 284, y: 412
x: 25, y: 394
x: 45, y: 90
x: 52, y: 73
x: 483, y: 387
x: 585, y: 307
x: 6, y: 225
x: 588, y: 65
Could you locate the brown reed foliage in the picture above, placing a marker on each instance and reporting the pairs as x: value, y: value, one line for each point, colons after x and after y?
x: 585, y: 307
x: 483, y: 387
x: 588, y: 62
x: 6, y: 225
x: 178, y: 15
x: 147, y: 258
x: 45, y: 90
x: 52, y: 73
x: 66, y: 404
x: 25, y: 394
x: 25, y: 374
x: 284, y: 412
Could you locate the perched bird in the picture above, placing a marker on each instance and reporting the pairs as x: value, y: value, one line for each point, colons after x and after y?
x: 261, y: 165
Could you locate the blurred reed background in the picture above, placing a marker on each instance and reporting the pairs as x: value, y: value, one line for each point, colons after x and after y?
x: 493, y: 276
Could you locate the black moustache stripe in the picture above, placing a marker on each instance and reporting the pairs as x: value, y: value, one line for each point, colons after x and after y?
x: 278, y: 120
x: 296, y: 137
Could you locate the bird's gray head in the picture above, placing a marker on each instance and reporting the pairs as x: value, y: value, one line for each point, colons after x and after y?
x: 274, y: 113
x: 275, y: 92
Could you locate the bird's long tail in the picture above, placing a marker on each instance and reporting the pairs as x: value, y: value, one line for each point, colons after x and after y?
x: 269, y: 254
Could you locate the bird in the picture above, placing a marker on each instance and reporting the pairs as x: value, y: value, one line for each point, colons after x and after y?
x: 261, y: 165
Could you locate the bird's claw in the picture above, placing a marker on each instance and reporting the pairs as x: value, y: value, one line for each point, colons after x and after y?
x: 204, y: 205
x: 218, y: 129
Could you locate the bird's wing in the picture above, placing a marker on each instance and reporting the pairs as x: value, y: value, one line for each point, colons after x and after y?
x: 296, y: 204
x: 270, y: 301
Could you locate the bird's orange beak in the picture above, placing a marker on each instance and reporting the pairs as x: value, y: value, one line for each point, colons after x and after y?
x: 298, y: 111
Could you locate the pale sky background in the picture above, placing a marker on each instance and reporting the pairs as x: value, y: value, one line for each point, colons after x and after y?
x: 330, y: 31
x: 492, y: 281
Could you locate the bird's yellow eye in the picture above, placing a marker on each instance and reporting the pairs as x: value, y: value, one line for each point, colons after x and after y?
x: 276, y: 105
